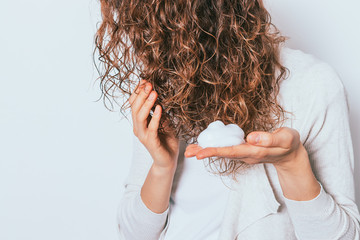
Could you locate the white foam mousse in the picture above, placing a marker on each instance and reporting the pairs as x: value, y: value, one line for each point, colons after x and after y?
x: 217, y: 134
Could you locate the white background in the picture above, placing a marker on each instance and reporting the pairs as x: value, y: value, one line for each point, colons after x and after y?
x: 63, y: 156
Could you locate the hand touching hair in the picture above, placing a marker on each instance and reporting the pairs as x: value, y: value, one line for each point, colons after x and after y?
x: 207, y: 60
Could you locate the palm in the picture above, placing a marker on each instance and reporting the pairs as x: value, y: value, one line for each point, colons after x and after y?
x: 170, y: 144
x: 166, y: 150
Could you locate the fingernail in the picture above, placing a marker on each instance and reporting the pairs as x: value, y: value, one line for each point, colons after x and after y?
x: 157, y: 110
x: 151, y: 96
x: 257, y: 138
x: 254, y: 138
x: 147, y: 88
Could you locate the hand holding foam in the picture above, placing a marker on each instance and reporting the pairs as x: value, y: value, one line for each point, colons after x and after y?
x: 217, y: 134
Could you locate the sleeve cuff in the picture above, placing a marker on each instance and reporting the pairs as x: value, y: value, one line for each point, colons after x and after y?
x: 146, y: 213
x: 317, y: 206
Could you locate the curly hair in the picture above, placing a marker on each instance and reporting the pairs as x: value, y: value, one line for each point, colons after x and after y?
x: 207, y: 60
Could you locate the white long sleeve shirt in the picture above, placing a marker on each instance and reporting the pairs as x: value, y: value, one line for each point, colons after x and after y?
x: 255, y: 207
x: 198, y: 201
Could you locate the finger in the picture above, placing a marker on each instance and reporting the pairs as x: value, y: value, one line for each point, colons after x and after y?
x: 259, y: 138
x: 144, y: 112
x: 192, y: 146
x: 140, y: 86
x: 216, y: 152
x: 140, y: 99
x: 252, y: 161
x: 192, y: 150
x: 236, y: 151
x: 170, y: 132
x: 155, y: 121
x: 282, y: 137
x: 136, y: 91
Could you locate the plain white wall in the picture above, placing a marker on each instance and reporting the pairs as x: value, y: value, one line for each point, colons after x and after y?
x: 63, y: 156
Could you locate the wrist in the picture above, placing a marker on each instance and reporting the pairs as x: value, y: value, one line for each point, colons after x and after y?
x: 163, y: 170
x: 297, y: 179
x: 297, y: 163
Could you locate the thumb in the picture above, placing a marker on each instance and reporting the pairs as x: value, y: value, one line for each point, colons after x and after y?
x: 258, y: 138
x: 282, y: 137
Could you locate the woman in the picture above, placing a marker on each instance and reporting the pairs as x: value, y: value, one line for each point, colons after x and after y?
x: 198, y: 61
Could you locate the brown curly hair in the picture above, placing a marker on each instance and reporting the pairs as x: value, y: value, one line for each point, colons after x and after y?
x: 207, y: 60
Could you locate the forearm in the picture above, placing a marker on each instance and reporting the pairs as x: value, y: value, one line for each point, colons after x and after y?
x: 314, y: 213
x: 297, y: 179
x: 156, y: 189
x: 143, y: 210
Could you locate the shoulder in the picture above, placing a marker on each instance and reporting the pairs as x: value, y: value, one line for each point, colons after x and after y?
x: 309, y: 80
x: 311, y: 90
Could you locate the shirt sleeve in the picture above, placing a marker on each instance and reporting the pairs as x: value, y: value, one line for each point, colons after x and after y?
x: 135, y: 220
x: 333, y: 214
